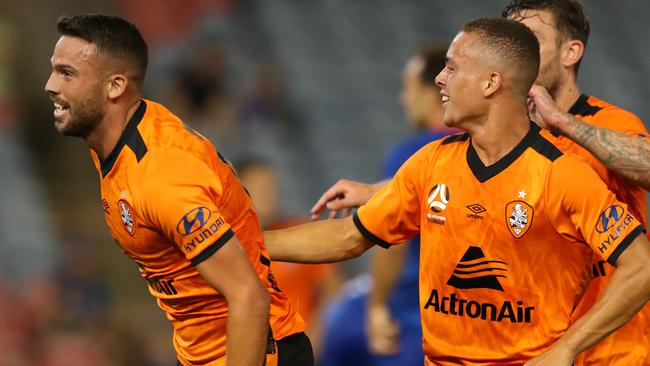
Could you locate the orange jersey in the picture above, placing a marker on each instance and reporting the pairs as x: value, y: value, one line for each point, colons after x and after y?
x: 506, y: 250
x: 630, y: 345
x: 171, y: 201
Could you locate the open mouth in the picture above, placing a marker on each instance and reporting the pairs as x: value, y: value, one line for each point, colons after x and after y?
x: 60, y: 109
x: 444, y: 99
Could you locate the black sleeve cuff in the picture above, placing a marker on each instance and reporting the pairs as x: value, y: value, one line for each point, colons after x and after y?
x: 209, y: 251
x: 367, y: 234
x: 624, y: 244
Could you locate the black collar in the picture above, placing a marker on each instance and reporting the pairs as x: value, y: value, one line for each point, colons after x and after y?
x: 483, y: 173
x: 131, y: 137
x: 582, y: 107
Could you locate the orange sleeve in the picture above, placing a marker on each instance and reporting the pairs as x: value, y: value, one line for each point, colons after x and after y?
x: 178, y: 194
x: 392, y: 215
x: 582, y: 209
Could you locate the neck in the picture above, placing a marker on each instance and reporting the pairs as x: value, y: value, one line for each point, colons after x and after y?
x: 493, y: 139
x: 104, y: 138
x: 567, y: 94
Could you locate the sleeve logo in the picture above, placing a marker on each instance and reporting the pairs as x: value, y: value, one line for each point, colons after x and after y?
x: 193, y: 220
x: 519, y: 218
x: 609, y: 217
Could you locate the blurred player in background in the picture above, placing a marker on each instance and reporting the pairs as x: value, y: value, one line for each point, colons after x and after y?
x: 477, y: 259
x: 562, y: 28
x: 172, y: 203
x: 308, y: 286
x: 377, y: 322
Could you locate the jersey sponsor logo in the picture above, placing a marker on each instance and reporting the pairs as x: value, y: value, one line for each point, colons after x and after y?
x: 519, y: 218
x: 609, y: 217
x: 476, y: 211
x: 615, y: 232
x: 476, y: 271
x: 511, y: 311
x: 127, y: 217
x: 204, y: 234
x: 163, y: 286
x: 193, y: 220
x: 438, y: 198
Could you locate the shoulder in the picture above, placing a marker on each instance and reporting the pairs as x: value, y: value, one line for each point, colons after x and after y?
x: 607, y: 115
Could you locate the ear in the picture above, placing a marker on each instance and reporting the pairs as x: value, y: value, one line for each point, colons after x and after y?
x: 492, y: 84
x: 117, y: 84
x: 572, y: 52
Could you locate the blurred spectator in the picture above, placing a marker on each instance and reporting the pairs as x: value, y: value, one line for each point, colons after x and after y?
x: 307, y: 286
x: 264, y: 105
x: 200, y: 95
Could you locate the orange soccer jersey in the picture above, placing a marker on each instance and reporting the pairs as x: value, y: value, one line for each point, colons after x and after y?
x: 630, y: 345
x: 171, y: 201
x: 505, y: 249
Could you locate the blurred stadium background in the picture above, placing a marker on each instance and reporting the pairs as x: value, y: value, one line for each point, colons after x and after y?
x: 311, y: 86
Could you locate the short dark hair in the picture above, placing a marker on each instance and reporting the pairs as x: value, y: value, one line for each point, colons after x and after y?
x: 569, y: 15
x: 434, y: 58
x: 511, y: 41
x: 113, y: 35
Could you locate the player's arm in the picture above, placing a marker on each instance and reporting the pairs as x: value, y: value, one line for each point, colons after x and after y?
x: 343, y: 196
x: 324, y: 241
x: 626, y: 293
x: 230, y: 273
x: 179, y: 193
x: 382, y: 329
x: 626, y: 155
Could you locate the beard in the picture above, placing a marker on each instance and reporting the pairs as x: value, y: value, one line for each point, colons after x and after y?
x: 83, y: 118
x: 549, y: 79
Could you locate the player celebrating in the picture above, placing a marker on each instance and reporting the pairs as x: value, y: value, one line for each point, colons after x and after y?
x: 175, y: 207
x: 500, y: 210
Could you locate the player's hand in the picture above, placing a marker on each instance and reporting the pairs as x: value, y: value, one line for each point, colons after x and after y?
x: 556, y: 356
x: 542, y: 109
x: 383, y: 332
x: 342, y: 197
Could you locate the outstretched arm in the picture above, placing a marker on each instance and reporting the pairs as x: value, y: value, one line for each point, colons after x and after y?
x: 626, y: 293
x: 317, y: 242
x: 343, y: 196
x: 627, y: 155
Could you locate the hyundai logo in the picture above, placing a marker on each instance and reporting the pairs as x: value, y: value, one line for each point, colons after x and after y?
x: 609, y: 217
x: 193, y: 220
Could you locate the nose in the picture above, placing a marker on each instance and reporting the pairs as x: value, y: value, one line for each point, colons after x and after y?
x: 441, y: 78
x: 50, y: 85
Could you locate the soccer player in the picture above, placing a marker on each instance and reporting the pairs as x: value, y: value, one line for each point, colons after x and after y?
x: 500, y: 211
x: 562, y: 28
x: 172, y: 203
x: 378, y: 322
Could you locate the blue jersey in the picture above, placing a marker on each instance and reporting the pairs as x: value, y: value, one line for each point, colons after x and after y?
x: 403, y: 301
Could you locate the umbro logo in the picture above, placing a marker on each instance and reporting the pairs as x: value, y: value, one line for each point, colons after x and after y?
x: 476, y: 211
x: 476, y: 271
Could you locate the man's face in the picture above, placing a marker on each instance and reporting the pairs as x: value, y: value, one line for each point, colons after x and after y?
x: 76, y: 86
x: 460, y: 81
x: 542, y: 23
x: 415, y: 95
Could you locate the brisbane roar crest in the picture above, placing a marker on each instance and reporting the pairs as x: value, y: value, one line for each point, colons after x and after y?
x: 126, y: 214
x: 519, y: 218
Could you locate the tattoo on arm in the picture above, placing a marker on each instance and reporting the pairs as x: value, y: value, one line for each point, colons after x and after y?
x: 627, y: 155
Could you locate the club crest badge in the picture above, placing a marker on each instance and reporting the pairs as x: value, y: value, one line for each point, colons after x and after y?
x: 126, y: 214
x: 519, y: 218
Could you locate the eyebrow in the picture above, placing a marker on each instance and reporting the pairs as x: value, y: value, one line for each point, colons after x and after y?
x: 62, y: 67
